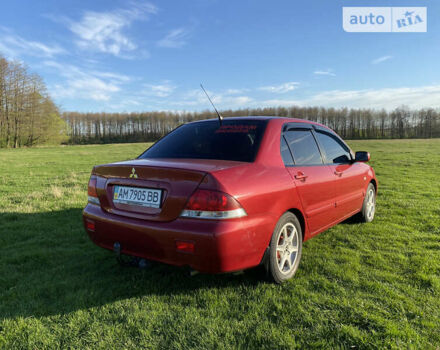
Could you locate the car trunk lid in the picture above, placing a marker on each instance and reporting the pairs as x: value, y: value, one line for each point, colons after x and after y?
x: 177, y: 179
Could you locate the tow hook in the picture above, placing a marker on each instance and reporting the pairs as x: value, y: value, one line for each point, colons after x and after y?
x: 144, y: 264
x: 130, y: 260
x: 191, y: 272
x: 238, y: 273
x: 117, y: 250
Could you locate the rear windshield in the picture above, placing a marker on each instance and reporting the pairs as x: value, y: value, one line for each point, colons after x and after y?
x: 233, y: 140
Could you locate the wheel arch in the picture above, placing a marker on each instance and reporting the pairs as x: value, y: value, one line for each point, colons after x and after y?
x: 373, y: 181
x: 301, y: 220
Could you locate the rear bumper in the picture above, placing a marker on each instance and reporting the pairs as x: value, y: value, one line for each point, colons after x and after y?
x: 220, y: 246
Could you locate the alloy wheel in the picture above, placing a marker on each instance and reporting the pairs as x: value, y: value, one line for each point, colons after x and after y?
x: 371, y: 204
x: 287, y: 248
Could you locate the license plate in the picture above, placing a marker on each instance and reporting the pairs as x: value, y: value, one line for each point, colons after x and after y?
x: 145, y: 197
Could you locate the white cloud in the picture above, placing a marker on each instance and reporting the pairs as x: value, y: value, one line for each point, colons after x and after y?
x: 381, y: 59
x: 125, y: 104
x: 92, y: 87
x: 280, y: 89
x: 328, y: 72
x: 175, y: 38
x: 84, y: 84
x: 103, y: 31
x: 222, y: 100
x: 112, y: 76
x: 14, y: 46
x: 164, y: 89
x: 388, y: 98
x: 235, y: 91
x: 240, y: 101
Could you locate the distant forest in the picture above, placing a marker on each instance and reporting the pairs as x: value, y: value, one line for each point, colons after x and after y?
x: 349, y: 123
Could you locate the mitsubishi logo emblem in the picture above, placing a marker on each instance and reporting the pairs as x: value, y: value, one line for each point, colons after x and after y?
x: 133, y: 174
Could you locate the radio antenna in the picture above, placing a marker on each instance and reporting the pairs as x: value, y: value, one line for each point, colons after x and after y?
x: 220, y: 118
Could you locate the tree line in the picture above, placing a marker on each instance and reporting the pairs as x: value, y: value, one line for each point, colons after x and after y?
x: 349, y: 123
x: 28, y: 116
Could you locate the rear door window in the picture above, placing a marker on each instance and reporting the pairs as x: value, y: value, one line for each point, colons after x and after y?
x: 237, y: 140
x: 303, y: 146
x: 285, y: 153
x: 335, y: 152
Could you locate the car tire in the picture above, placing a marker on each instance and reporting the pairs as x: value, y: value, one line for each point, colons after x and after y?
x: 369, y: 205
x: 285, y: 248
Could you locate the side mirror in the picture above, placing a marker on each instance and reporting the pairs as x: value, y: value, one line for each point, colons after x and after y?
x: 362, y: 156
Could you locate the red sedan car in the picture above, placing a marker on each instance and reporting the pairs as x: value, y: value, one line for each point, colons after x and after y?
x: 223, y: 196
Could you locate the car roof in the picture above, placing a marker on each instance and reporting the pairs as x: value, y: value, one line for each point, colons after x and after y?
x: 283, y: 119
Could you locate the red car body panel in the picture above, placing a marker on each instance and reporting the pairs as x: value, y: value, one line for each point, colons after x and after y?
x: 265, y: 188
x: 317, y: 195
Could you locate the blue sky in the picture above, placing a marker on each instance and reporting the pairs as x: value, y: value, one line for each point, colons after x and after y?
x: 123, y: 56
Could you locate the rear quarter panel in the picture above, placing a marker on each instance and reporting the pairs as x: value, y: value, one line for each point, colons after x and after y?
x: 265, y: 193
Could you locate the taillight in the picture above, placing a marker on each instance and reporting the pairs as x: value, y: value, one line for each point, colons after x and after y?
x: 91, y: 191
x: 207, y: 204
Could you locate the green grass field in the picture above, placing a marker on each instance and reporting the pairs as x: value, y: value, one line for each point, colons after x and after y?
x: 358, y: 286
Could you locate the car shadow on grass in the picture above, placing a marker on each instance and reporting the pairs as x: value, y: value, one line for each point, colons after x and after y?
x: 352, y: 220
x: 48, y: 266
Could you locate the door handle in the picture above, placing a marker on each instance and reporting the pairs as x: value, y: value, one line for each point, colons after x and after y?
x: 301, y: 176
x: 338, y: 173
